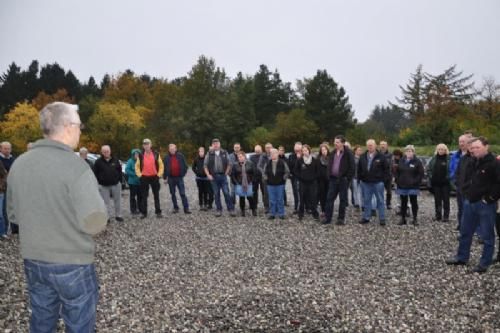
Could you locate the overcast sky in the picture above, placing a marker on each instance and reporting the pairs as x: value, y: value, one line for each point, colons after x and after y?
x: 369, y: 47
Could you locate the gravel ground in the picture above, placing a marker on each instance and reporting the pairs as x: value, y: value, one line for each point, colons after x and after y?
x: 199, y: 273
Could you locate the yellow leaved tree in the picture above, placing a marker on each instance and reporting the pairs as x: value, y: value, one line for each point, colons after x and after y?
x: 119, y: 125
x: 21, y: 125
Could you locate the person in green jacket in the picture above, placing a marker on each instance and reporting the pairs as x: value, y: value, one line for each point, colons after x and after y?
x: 134, y: 182
x: 439, y: 180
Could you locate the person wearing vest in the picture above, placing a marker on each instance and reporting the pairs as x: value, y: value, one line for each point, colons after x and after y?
x: 340, y: 172
x: 276, y: 173
x: 373, y: 171
x: 243, y: 174
x: 217, y: 167
x: 307, y: 170
x: 149, y: 169
x: 481, y: 191
x: 175, y: 170
x: 205, y: 193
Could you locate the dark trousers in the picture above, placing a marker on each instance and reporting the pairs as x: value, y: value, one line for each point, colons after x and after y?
x: 442, y: 201
x: 460, y: 205
x: 263, y: 190
x: 388, y: 192
x: 404, y: 205
x: 308, y: 197
x: 178, y: 182
x: 251, y: 202
x: 323, y: 185
x: 296, y: 192
x: 336, y: 187
x: 205, y: 193
x: 146, y: 182
x: 135, y: 198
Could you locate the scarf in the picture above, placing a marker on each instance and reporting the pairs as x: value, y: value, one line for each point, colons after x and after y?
x: 307, y: 160
x: 244, y: 178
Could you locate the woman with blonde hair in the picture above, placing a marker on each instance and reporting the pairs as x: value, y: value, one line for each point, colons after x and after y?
x: 439, y: 181
x: 409, y: 174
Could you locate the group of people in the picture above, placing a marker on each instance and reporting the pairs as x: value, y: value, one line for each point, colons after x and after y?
x: 59, y: 202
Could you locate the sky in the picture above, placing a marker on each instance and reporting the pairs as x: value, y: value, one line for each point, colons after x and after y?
x: 368, y: 47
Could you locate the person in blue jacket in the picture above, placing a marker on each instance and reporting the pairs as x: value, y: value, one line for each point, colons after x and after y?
x: 134, y: 182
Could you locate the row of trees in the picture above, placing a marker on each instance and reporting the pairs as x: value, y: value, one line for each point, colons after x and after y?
x: 436, y: 108
x: 190, y: 110
x: 251, y: 109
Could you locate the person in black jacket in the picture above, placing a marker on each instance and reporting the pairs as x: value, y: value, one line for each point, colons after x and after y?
x: 409, y: 176
x: 323, y: 157
x: 175, y: 168
x: 307, y: 171
x: 439, y: 179
x: 257, y: 181
x: 373, y: 171
x: 205, y: 193
x: 292, y: 160
x: 464, y: 163
x: 243, y: 175
x: 108, y: 172
x: 282, y: 156
x: 481, y: 191
x: 275, y: 173
x: 340, y: 172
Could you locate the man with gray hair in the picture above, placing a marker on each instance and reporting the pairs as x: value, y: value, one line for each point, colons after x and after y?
x: 54, y: 198
x: 108, y: 171
x: 84, y: 155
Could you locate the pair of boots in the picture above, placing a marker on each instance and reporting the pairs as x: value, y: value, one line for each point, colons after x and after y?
x: 403, y: 220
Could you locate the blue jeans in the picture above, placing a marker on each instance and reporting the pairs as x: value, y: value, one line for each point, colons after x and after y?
x: 369, y: 190
x: 61, y: 289
x: 296, y: 192
x: 3, y: 225
x: 276, y: 203
x: 474, y: 215
x: 336, y: 187
x: 220, y: 183
x: 178, y: 182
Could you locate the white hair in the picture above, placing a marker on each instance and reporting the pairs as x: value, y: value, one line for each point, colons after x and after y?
x: 83, y: 150
x: 55, y: 116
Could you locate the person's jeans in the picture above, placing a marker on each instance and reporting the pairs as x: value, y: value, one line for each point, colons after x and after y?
x: 178, y: 182
x: 276, y: 203
x: 356, y: 193
x: 115, y: 192
x: 442, y: 201
x: 69, y: 291
x: 135, y: 198
x: 3, y: 225
x: 296, y: 192
x: 154, y: 182
x: 369, y: 190
x: 474, y: 214
x: 220, y: 183
x: 336, y: 187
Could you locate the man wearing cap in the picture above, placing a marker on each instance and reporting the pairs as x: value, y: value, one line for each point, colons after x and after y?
x: 217, y: 167
x: 149, y: 169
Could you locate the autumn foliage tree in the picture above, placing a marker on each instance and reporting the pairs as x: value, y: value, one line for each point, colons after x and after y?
x: 21, y: 125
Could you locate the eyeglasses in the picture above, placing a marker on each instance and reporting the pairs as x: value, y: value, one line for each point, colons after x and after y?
x: 80, y: 125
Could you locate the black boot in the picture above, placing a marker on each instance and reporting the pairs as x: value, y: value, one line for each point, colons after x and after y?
x: 415, y: 221
x: 403, y: 220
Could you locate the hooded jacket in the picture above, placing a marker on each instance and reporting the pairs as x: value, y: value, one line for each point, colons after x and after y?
x: 132, y: 178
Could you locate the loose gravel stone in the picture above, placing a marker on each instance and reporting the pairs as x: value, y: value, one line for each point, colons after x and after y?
x: 201, y: 273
